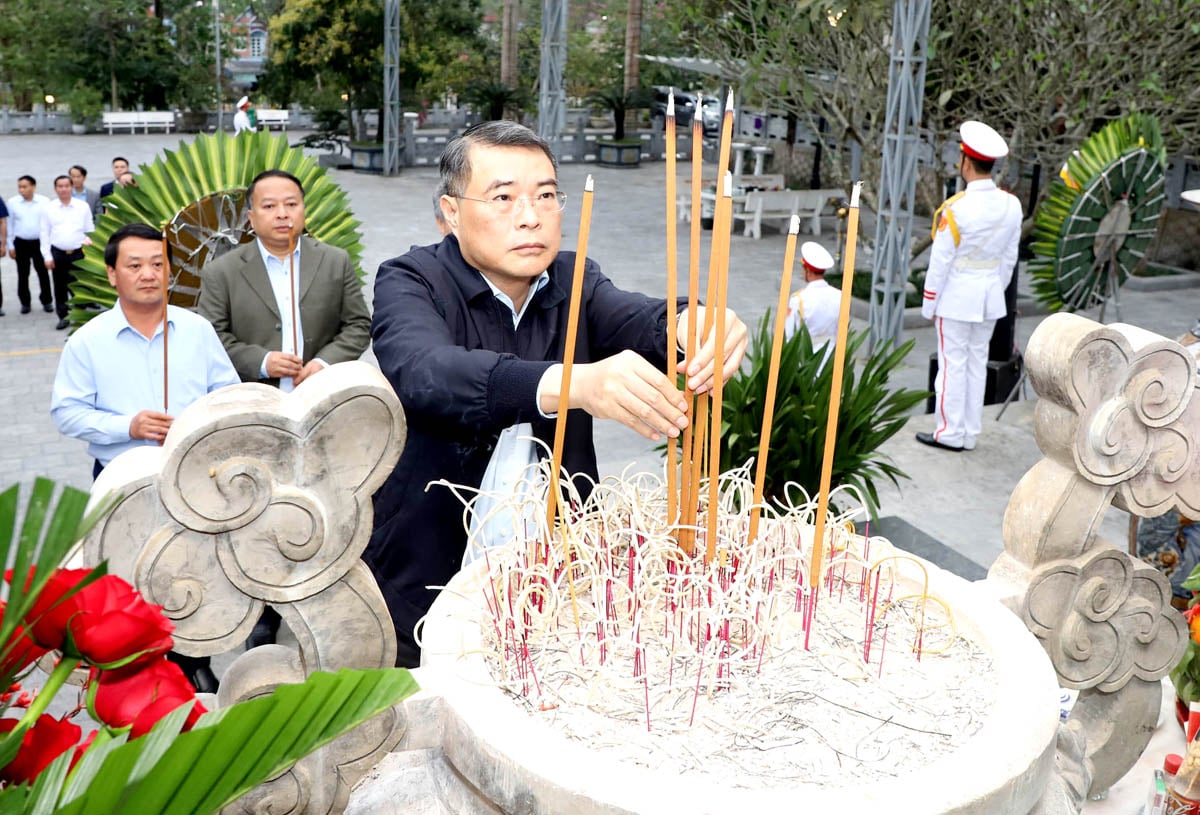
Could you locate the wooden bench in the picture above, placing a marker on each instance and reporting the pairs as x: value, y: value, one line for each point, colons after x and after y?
x: 767, y: 205
x: 272, y: 118
x: 133, y: 119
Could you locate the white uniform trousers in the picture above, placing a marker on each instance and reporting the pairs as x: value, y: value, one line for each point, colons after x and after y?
x: 962, y: 349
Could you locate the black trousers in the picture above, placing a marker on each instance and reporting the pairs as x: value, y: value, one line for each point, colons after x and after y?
x: 64, y: 276
x: 29, y: 252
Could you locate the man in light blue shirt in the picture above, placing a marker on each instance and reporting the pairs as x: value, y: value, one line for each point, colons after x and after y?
x: 109, y: 387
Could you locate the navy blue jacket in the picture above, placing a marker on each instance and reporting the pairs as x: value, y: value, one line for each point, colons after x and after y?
x: 463, y: 374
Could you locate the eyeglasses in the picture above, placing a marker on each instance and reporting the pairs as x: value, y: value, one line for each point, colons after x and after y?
x: 544, y: 203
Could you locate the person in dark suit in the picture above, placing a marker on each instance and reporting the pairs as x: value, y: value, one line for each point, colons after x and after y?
x: 470, y: 333
x: 120, y: 166
x: 248, y: 293
x: 80, y: 190
x: 248, y: 296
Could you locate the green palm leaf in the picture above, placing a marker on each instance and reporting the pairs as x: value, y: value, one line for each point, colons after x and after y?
x: 51, y: 526
x: 198, y: 191
x: 228, y: 752
x: 1121, y: 166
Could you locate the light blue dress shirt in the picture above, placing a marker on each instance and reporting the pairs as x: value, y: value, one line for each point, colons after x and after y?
x: 279, y: 274
x: 109, y: 372
x: 509, y: 464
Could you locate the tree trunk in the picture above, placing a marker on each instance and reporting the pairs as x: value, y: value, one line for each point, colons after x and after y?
x: 508, y: 43
x: 633, y: 45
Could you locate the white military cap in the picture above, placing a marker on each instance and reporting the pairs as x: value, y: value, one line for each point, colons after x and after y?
x: 1191, y: 196
x: 815, y: 257
x: 241, y: 103
x: 981, y: 142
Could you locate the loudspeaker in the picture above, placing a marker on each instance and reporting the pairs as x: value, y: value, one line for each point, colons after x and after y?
x: 1002, y: 377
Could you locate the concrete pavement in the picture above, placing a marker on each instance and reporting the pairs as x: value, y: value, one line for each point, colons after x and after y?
x: 958, y: 499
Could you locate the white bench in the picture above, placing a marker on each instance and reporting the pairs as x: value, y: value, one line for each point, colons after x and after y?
x: 812, y: 203
x: 767, y: 205
x: 133, y: 119
x: 272, y: 118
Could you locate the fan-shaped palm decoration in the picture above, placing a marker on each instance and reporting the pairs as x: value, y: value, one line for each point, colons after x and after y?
x: 1093, y: 228
x: 198, y: 192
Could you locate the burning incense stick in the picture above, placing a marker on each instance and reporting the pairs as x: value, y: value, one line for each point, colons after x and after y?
x: 166, y: 283
x: 835, y: 392
x: 689, y: 497
x: 560, y: 424
x: 293, y: 239
x: 672, y: 308
x: 722, y: 222
x: 764, y: 438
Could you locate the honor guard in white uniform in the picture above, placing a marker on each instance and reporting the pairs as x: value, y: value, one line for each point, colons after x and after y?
x: 817, y: 304
x: 975, y: 237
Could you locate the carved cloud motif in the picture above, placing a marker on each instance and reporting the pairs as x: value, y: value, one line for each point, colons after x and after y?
x: 1103, y: 619
x: 256, y: 497
x: 1136, y: 398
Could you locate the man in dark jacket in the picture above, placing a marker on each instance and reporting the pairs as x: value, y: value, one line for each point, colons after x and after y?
x: 470, y: 333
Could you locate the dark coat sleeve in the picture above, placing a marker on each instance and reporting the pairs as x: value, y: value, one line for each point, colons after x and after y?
x: 415, y: 332
x: 353, y: 332
x: 214, y: 306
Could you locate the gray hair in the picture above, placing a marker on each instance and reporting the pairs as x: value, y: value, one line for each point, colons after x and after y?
x: 455, y: 166
x: 437, y: 201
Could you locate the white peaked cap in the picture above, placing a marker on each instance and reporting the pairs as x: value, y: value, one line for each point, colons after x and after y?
x: 815, y: 257
x: 981, y: 142
x: 1191, y: 196
x: 245, y: 100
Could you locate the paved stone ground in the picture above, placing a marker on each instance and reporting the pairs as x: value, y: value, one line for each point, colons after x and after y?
x: 957, y: 499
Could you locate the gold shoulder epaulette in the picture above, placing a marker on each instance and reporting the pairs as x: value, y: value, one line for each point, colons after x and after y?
x: 944, y: 211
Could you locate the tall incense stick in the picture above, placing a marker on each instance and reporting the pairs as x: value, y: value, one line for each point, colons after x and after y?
x: 722, y: 222
x: 166, y: 282
x: 688, y: 496
x: 672, y: 308
x: 293, y: 239
x: 702, y: 406
x: 560, y: 423
x: 835, y: 392
x: 764, y: 438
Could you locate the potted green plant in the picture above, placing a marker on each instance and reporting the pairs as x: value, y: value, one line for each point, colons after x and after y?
x: 870, y: 413
x: 492, y: 100
x: 85, y: 103
x: 619, y: 151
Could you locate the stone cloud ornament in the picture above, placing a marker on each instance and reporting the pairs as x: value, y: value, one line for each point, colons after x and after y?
x: 259, y: 497
x: 1118, y: 421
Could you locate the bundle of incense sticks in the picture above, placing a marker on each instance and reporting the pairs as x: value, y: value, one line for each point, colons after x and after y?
x: 686, y: 462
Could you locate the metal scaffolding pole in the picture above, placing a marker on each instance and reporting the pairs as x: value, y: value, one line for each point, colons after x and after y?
x: 898, y: 177
x: 552, y: 93
x: 391, y: 87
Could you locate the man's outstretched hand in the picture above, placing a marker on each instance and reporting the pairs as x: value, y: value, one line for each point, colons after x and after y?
x: 699, y: 369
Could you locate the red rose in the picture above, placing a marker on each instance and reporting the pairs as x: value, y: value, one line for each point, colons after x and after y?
x: 50, y: 613
x: 106, y: 622
x: 114, y: 626
x: 141, y: 694
x: 45, y: 741
x: 19, y: 651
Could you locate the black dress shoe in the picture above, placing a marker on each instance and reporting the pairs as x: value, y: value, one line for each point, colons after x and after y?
x: 25, y: 309
x: 927, y: 438
x: 198, y: 671
x: 46, y: 307
x: 1, y: 312
x: 63, y: 323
